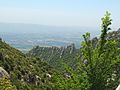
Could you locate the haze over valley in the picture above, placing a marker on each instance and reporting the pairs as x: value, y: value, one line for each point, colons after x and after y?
x: 26, y: 36
x: 59, y: 45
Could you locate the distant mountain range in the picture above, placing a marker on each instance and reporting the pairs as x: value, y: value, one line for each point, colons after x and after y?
x: 31, y: 72
x: 56, y: 56
x: 42, y: 29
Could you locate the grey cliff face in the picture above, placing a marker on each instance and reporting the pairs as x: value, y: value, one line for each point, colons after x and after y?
x: 3, y: 73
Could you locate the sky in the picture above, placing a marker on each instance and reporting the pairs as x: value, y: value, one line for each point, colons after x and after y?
x: 77, y: 13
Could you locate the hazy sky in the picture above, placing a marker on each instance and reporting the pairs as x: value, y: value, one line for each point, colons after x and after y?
x: 85, y: 13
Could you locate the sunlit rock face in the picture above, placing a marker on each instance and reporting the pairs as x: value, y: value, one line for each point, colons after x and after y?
x: 115, y: 35
x: 3, y: 73
x: 118, y: 88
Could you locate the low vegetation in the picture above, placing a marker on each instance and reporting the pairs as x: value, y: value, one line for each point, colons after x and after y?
x: 96, y: 66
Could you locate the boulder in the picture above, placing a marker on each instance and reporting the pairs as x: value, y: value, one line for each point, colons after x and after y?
x: 118, y: 88
x: 3, y: 73
x: 48, y: 75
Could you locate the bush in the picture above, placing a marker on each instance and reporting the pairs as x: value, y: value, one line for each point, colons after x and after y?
x: 5, y: 84
x: 98, y: 64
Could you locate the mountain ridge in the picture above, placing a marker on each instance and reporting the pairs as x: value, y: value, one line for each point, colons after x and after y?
x: 25, y: 72
x: 56, y: 56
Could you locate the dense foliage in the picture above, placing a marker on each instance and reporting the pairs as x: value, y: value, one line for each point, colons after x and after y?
x: 25, y: 73
x: 96, y: 66
x: 56, y: 56
x: 5, y: 84
x: 99, y: 64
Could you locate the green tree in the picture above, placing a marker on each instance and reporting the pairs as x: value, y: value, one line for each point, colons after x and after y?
x: 101, y: 59
x: 97, y: 63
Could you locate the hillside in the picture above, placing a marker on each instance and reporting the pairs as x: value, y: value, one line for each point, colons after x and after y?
x: 114, y: 35
x: 56, y: 56
x: 25, y: 73
x: 95, y: 66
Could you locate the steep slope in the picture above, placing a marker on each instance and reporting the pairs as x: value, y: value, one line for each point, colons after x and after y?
x: 114, y: 35
x: 56, y: 56
x: 25, y: 73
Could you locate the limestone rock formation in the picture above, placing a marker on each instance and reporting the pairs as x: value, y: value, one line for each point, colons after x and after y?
x: 3, y: 73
